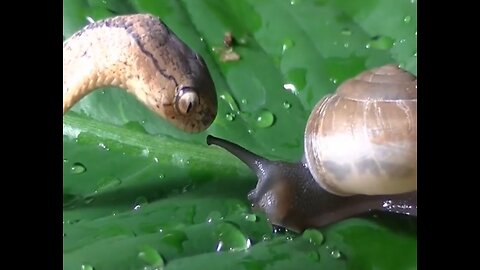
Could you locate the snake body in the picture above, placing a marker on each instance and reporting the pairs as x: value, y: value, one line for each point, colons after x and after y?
x: 140, y: 54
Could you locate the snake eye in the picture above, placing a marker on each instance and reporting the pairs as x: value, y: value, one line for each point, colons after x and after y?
x: 185, y: 100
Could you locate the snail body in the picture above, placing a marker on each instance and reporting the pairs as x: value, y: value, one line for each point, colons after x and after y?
x: 360, y: 146
x: 141, y: 55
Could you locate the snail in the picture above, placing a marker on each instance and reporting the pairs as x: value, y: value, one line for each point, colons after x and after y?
x: 360, y: 146
x: 140, y: 54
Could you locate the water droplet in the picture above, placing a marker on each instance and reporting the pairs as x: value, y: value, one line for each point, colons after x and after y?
x: 103, y: 146
x: 161, y: 176
x: 381, y: 43
x: 266, y: 237
x: 230, y: 101
x: 179, y: 160
x: 314, y: 255
x: 295, y: 80
x: 88, y: 199
x: 278, y: 230
x: 287, y: 105
x: 145, y: 152
x: 287, y: 44
x: 251, y: 217
x: 290, y: 87
x: 230, y: 116
x: 293, y: 2
x: 346, y: 45
x: 346, y: 32
x: 314, y: 236
x: 244, y: 101
x: 335, y: 254
x: 288, y: 238
x: 214, y: 216
x: 265, y: 119
x: 250, y: 131
x: 78, y: 168
x: 65, y: 160
x: 415, y: 54
x: 175, y: 238
x: 135, y: 126
x: 407, y: 19
x: 107, y: 183
x: 140, y: 202
x: 87, y: 267
x: 333, y: 80
x: 151, y: 256
x: 230, y: 238
x: 155, y: 159
x: 402, y: 41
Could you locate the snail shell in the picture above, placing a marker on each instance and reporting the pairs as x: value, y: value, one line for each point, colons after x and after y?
x: 363, y: 138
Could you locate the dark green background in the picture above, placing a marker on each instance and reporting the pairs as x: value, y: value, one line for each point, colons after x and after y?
x: 148, y: 190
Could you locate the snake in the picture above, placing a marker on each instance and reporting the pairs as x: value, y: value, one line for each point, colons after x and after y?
x: 140, y: 54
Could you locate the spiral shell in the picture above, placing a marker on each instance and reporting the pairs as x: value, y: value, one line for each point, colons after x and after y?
x: 363, y: 138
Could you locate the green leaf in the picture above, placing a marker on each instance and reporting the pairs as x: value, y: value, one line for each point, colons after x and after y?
x: 139, y: 194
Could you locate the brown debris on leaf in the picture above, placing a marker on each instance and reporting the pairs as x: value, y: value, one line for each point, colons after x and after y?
x: 227, y: 53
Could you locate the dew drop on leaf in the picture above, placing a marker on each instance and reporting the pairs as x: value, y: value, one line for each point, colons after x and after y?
x: 313, y: 236
x: 139, y: 202
x: 381, y: 43
x: 230, y: 116
x: 103, y: 146
x: 151, y: 256
x: 286, y: 105
x: 266, y: 237
x: 265, y: 119
x: 88, y: 199
x: 175, y: 239
x: 251, y: 217
x: 230, y: 101
x: 335, y: 254
x: 87, y: 267
x: 287, y: 44
x: 346, y: 32
x: 295, y: 80
x: 214, y: 216
x: 107, y: 183
x: 135, y: 126
x: 230, y: 238
x: 78, y: 168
